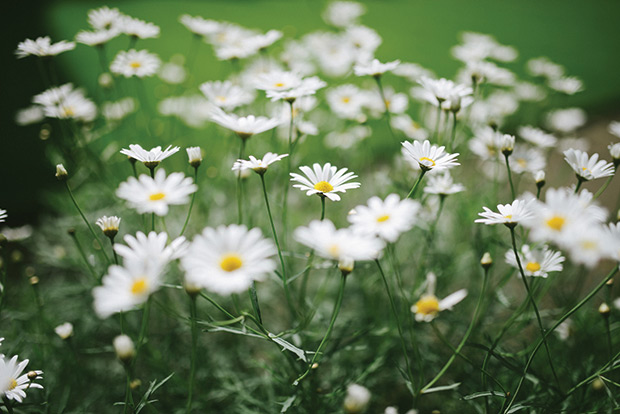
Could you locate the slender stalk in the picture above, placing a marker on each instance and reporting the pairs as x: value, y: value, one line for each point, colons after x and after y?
x: 397, y: 319
x: 114, y: 251
x: 194, y: 327
x: 255, y: 304
x: 8, y: 404
x: 540, y: 341
x: 322, y: 207
x: 417, y: 183
x: 437, y: 137
x: 453, y: 131
x: 533, y: 302
x: 512, y: 187
x: 191, y: 204
x: 603, y: 187
x: 152, y: 170
x: 78, y: 245
x: 128, y: 394
x: 579, y: 182
x: 92, y: 231
x: 387, y: 105
x: 470, y: 328
x: 143, y: 328
x: 289, y: 161
x: 275, y: 238
x: 239, y: 189
x: 335, y: 312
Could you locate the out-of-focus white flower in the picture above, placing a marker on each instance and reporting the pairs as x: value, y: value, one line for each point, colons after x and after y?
x: 566, y: 120
x: 199, y: 25
x: 104, y: 18
x: 347, y: 138
x: 172, y: 73
x: 409, y: 127
x: 357, y: 399
x: 151, y: 250
x: 614, y: 128
x: 374, y: 68
x: 387, y: 218
x: 428, y: 306
x: 138, y: 28
x: 343, y: 13
x: 525, y: 159
x: 116, y: 111
x: 537, y: 136
x: 31, y: 115
x: 226, y: 95
x: 412, y: 72
x: 442, y: 184
x: 346, y: 101
x: 244, y: 126
x: 326, y: 180
x: 139, y: 63
x: 544, y: 67
x: 567, y: 85
x: 150, y: 158
x: 64, y: 330
x: 97, y: 38
x: 64, y: 102
x: 124, y: 347
x: 42, y: 46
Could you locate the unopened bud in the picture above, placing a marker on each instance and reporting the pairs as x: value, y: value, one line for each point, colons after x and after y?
x: 346, y: 265
x: 106, y: 80
x: 194, y: 155
x: 124, y: 348
x: 64, y: 331
x: 508, y: 144
x: 135, y: 384
x: 34, y: 280
x: 614, y: 151
x: 61, y: 172
x: 539, y: 177
x: 610, y: 282
x: 191, y: 288
x: 486, y: 261
x: 32, y: 375
x: 356, y: 399
x: 598, y: 384
x: 604, y: 310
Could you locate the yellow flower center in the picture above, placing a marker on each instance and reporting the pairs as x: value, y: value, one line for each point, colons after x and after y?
x: 522, y: 162
x: 12, y: 384
x: 387, y: 103
x: 509, y: 216
x: 383, y: 218
x: 231, y: 262
x: 334, y: 250
x: 415, y: 125
x: 588, y: 245
x: 139, y: 286
x: 346, y: 99
x: 323, y: 186
x: 157, y: 196
x: 135, y: 64
x: 532, y: 267
x: 556, y: 223
x: 427, y: 305
x: 221, y: 98
x: 278, y: 85
x: 428, y: 159
x: 68, y: 111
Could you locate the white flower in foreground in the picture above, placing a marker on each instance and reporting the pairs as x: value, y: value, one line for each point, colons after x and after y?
x: 357, y: 399
x: 614, y: 128
x: 64, y: 330
x: 338, y: 244
x: 151, y: 250
x: 324, y: 181
x: 13, y: 385
x: 387, y: 219
x: 442, y: 184
x: 429, y: 306
x: 374, y: 68
x: 3, y: 215
x: 150, y: 158
x: 429, y: 157
x: 226, y: 95
x: 109, y: 225
x: 228, y: 259
x: 125, y: 287
x: 42, y: 46
x: 588, y: 168
x: 244, y: 126
x: 138, y: 28
x: 154, y: 195
x: 509, y: 214
x: 258, y: 165
x: 343, y: 13
x: 139, y: 63
x: 536, y: 262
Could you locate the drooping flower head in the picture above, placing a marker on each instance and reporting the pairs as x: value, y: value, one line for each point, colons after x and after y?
x: 429, y: 157
x: 587, y: 168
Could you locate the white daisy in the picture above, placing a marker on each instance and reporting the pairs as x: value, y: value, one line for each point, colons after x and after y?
x: 544, y: 67
x: 109, y: 225
x: 537, y: 136
x: 151, y: 250
x: 443, y: 90
x: 13, y: 385
x: 442, y: 184
x: 139, y: 63
x: 308, y: 87
x: 154, y: 195
x: 258, y: 165
x: 387, y: 219
x: 614, y: 151
x: 28, y: 116
x: 150, y: 158
x: 429, y: 157
x: 537, y: 262
x: 226, y: 95
x: 343, y: 13
x: 486, y: 143
x: 568, y: 85
x: 588, y: 168
x: 104, y: 18
x: 3, y: 215
x: 374, y: 68
x: 347, y: 138
x: 357, y: 399
x: 42, y: 46
x: 409, y: 127
x: 228, y: 259
x: 412, y: 72
x: 125, y: 287
x: 525, y: 159
x: 509, y: 214
x: 138, y: 28
x: 566, y: 120
x: 117, y: 110
x: 324, y: 181
x: 65, y: 102
x: 338, y: 244
x: 587, y: 243
x: 428, y: 306
x: 244, y: 126
x: 97, y: 38
x: 346, y: 101
x: 199, y: 25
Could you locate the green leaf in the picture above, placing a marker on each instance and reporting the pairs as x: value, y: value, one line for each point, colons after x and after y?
x: 443, y: 388
x: 484, y: 394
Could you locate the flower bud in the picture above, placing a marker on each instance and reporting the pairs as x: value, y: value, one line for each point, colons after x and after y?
x: 109, y: 225
x: 64, y: 331
x: 124, y: 348
x: 357, y: 399
x: 194, y: 155
x: 487, y: 261
x: 346, y: 265
x: 105, y: 80
x: 614, y: 151
x: 508, y: 144
x: 61, y: 172
x: 539, y: 177
x: 604, y: 310
x: 32, y: 375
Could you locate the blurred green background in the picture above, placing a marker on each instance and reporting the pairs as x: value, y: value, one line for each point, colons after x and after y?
x: 581, y: 35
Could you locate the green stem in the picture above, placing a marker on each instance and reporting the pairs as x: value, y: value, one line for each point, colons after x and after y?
x: 239, y: 189
x: 322, y: 207
x: 579, y: 182
x: 453, y: 131
x: 470, y: 328
x: 128, y: 394
x: 533, y: 302
x: 335, y: 312
x: 603, y: 187
x: 114, y: 251
x: 387, y: 106
x: 143, y: 328
x: 397, y: 319
x: 512, y: 187
x: 540, y: 341
x: 152, y: 170
x: 254, y: 300
x: 194, y: 327
x: 289, y: 161
x: 92, y: 231
x: 8, y: 404
x: 437, y: 123
x: 78, y: 245
x: 191, y: 205
x: 417, y: 183
x: 275, y: 238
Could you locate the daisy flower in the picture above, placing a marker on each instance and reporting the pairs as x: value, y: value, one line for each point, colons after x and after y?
x: 525, y: 159
x: 96, y: 38
x: 429, y: 157
x: 104, y: 18
x: 537, y: 136
x: 139, y: 63
x: 566, y: 120
x: 428, y: 306
x: 226, y: 95
x: 125, y: 287
x: 443, y: 90
x: 308, y: 87
x: 42, y: 46
x: 346, y: 101
x: 614, y: 128
x: 117, y: 110
x: 324, y: 181
x: 199, y: 25
x: 13, y: 385
x: 244, y: 126
x: 151, y: 250
x: 588, y: 243
x: 109, y: 225
x: 568, y: 85
x: 228, y: 259
x: 138, y: 28
x: 124, y: 347
x: 194, y: 156
x: 387, y: 219
x: 587, y: 168
x: 357, y: 399
x: 154, y: 195
x: 343, y: 13
x: 374, y: 68
x: 509, y: 214
x: 258, y: 165
x: 3, y: 215
x: 338, y: 244
x: 409, y: 127
x: 442, y: 184
x: 536, y: 262
x: 150, y: 158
